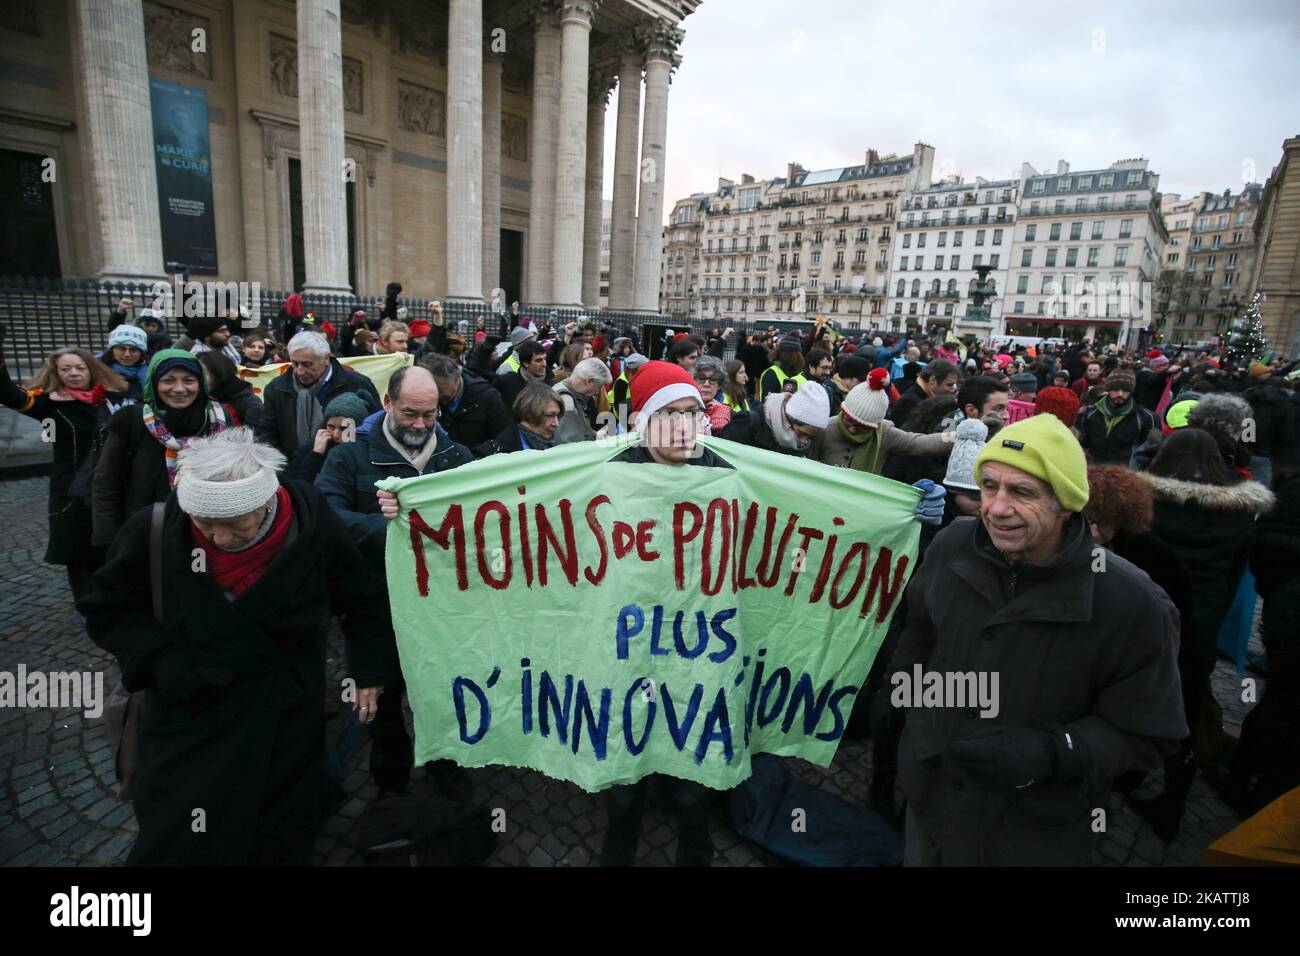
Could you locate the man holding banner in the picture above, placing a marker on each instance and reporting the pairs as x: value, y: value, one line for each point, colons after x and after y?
x: 716, y: 620
x: 404, y: 443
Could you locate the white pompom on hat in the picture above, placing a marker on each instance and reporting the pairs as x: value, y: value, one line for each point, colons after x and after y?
x: 867, y: 402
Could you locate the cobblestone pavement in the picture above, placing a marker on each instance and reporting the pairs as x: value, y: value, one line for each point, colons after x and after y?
x: 57, y: 805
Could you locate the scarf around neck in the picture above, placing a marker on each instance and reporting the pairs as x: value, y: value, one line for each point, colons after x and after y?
x: 533, y: 441
x: 237, y: 571
x: 215, y: 421
x: 528, y: 376
x: 782, y: 430
x: 418, y: 457
x: 96, y: 396
x: 1112, y: 415
x: 867, y: 442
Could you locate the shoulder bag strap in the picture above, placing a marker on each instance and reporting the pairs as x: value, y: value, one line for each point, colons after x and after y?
x: 155, y: 558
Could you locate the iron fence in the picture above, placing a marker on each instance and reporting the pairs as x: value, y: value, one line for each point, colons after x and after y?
x: 45, y: 314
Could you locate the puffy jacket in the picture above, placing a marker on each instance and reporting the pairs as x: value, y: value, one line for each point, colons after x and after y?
x: 348, y: 482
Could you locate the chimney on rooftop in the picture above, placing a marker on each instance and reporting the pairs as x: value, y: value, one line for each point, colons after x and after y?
x: 872, y: 157
x: 1062, y: 167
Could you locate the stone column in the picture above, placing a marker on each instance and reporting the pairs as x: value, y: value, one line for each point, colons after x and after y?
x: 571, y: 152
x: 320, y: 143
x: 492, y: 65
x: 598, y: 87
x: 622, y: 227
x: 465, y: 150
x: 659, y: 63
x: 541, y: 189
x: 118, y: 147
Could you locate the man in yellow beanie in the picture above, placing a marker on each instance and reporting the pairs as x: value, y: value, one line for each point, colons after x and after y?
x: 1078, y: 646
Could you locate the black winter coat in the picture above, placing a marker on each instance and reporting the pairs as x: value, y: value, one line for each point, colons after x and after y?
x: 1275, y: 419
x: 478, y: 416
x: 348, y: 483
x: 1115, y: 448
x: 279, y: 418
x: 1095, y: 653
x: 74, y: 433
x: 753, y: 430
x: 131, y: 472
x: 239, y: 395
x: 1212, y: 530
x: 906, y: 404
x: 232, y: 721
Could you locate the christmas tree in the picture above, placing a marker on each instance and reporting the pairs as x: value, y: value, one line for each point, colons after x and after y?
x: 1248, y: 340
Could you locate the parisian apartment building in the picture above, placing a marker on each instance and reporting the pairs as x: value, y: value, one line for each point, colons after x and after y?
x: 781, y: 249
x: 944, y: 231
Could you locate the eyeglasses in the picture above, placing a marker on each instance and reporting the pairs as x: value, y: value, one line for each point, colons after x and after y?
x: 707, y: 378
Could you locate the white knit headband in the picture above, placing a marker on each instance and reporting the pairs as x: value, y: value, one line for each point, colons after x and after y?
x: 225, y: 499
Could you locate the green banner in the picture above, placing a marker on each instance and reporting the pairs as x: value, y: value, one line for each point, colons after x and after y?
x: 602, y: 620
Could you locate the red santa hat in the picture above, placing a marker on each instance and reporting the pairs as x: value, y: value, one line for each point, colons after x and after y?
x: 657, y: 384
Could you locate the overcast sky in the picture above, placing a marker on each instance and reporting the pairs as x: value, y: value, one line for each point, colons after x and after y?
x: 1206, y: 90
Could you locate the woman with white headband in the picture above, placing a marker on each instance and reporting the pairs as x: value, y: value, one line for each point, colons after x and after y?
x: 232, y: 665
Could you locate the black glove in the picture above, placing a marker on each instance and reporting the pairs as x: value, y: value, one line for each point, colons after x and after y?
x: 1010, y: 757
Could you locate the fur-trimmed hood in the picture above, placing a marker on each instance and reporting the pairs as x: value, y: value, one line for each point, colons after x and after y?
x: 1243, y: 496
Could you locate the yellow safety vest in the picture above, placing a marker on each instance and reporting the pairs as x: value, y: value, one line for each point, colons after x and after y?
x: 622, y: 377
x: 512, y: 362
x: 780, y: 377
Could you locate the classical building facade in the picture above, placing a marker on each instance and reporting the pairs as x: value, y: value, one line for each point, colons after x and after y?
x: 943, y: 232
x: 1277, y: 251
x: 1174, y: 285
x: 453, y: 145
x: 1086, y: 254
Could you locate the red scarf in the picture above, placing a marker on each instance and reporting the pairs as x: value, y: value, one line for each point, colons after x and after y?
x: 96, y: 396
x: 237, y: 571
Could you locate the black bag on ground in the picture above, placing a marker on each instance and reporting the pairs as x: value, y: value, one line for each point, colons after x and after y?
x: 834, y: 832
x: 426, y: 831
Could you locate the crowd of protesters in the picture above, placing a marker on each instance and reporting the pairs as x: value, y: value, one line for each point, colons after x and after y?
x: 1183, y: 465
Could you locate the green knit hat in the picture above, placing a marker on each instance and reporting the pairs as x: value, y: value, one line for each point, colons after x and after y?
x: 1043, y: 447
x: 166, y: 360
x: 348, y: 405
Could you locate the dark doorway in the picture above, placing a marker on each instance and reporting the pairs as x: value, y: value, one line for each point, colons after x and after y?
x: 512, y: 265
x: 295, y: 227
x: 29, y: 241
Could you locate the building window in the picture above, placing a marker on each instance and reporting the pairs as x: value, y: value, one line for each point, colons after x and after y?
x: 943, y: 239
x: 979, y: 260
x: 957, y: 238
x: 1046, y: 287
x: 1121, y: 256
x: 1026, y: 257
x: 1106, y: 180
x: 920, y: 263
x: 1072, y: 257
x: 1063, y: 184
x: 920, y: 240
x: 902, y: 287
x: 955, y: 265
x: 1022, y: 286
x: 1020, y: 307
x: 1094, y: 256
x: 979, y: 236
x: 938, y: 262
x: 1098, y: 229
x: 1051, y: 258
x: 907, y: 240
x: 1039, y: 186
x: 1054, y: 233
x: 997, y: 237
x: 1031, y: 232
x: 916, y: 288
x: 1125, y: 228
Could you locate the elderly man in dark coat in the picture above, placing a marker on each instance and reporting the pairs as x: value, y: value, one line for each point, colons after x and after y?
x: 293, y: 405
x: 1084, y: 648
x: 232, y: 657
